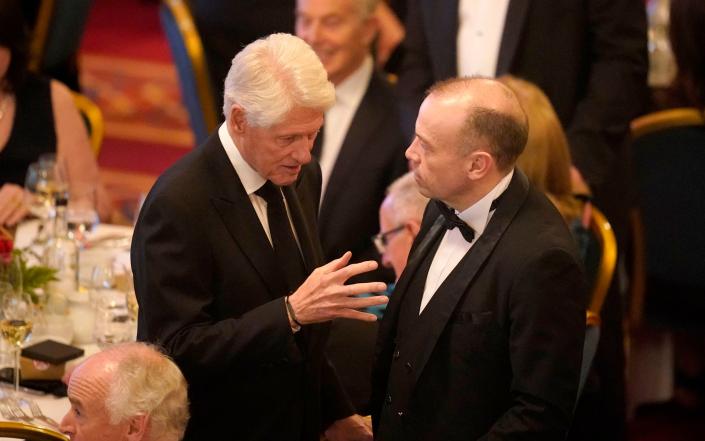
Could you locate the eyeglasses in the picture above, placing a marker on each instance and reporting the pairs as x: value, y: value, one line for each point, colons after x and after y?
x: 382, y: 239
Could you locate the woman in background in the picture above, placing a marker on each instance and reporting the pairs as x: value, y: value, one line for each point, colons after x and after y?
x: 37, y: 116
x: 546, y: 158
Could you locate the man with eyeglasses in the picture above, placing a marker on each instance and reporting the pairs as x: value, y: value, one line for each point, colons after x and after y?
x: 400, y: 220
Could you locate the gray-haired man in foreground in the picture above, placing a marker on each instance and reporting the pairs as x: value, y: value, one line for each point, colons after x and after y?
x: 129, y: 392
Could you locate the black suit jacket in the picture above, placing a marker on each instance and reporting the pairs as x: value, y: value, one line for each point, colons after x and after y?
x: 589, y: 56
x: 371, y: 157
x: 210, y: 293
x: 496, y: 352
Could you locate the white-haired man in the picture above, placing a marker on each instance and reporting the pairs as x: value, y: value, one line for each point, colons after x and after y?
x: 400, y: 220
x: 228, y: 269
x: 129, y: 392
x: 361, y: 148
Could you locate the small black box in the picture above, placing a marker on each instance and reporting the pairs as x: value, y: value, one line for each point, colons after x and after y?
x: 51, y: 351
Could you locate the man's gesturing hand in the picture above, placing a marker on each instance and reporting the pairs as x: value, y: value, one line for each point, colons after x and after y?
x: 324, y: 296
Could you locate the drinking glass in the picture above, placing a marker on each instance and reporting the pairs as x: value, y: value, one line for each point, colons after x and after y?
x: 81, y: 218
x: 47, y: 184
x: 16, y: 325
x: 112, y: 318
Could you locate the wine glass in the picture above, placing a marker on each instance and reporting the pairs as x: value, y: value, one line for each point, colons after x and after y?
x: 47, y: 183
x: 112, y: 318
x: 81, y: 218
x: 16, y: 324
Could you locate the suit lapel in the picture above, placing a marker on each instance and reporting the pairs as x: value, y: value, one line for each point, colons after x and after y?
x: 364, y: 124
x: 234, y: 207
x: 511, y: 36
x: 418, y: 253
x: 423, y: 338
x: 441, y: 25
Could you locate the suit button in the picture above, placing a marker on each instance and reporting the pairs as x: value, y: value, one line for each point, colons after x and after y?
x: 408, y: 366
x: 396, y: 354
x: 389, y: 399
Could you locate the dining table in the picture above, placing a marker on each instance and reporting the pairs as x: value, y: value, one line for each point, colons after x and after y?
x: 105, y: 243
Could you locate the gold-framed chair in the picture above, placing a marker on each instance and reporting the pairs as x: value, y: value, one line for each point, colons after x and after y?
x: 669, y: 156
x: 93, y: 118
x: 57, y: 32
x: 17, y: 430
x: 602, y: 234
x: 190, y: 60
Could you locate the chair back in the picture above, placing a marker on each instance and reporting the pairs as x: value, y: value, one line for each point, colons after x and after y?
x: 602, y: 278
x: 17, y: 430
x: 92, y: 118
x: 57, y: 33
x: 600, y: 256
x: 669, y: 161
x: 190, y: 61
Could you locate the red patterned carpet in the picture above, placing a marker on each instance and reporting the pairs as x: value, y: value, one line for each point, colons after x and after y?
x: 126, y: 69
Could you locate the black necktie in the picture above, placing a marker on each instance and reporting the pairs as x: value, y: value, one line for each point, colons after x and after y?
x: 452, y: 221
x: 285, y: 248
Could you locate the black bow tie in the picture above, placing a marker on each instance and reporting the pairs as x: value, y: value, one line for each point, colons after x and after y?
x: 452, y: 221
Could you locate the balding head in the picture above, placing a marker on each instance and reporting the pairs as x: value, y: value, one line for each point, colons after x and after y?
x: 469, y: 133
x: 130, y: 391
x: 491, y: 114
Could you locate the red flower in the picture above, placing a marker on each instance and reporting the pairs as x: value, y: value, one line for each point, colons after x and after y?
x: 6, y: 245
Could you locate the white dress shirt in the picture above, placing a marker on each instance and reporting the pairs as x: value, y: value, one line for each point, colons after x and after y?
x: 348, y: 96
x: 251, y: 180
x: 453, y: 246
x: 480, y: 27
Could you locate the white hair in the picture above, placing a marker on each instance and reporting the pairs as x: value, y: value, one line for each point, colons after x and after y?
x: 405, y: 199
x: 147, y: 382
x: 272, y: 75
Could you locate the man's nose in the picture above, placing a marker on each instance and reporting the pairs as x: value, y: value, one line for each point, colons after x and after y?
x: 410, y: 152
x: 66, y: 424
x: 302, y: 152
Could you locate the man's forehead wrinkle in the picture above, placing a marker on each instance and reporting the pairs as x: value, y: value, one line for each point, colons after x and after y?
x: 93, y: 377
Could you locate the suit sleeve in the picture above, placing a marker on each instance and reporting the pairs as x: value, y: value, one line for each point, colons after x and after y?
x: 173, y: 266
x: 546, y: 334
x: 615, y: 87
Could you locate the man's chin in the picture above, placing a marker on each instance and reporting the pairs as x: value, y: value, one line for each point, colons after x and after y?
x: 284, y: 179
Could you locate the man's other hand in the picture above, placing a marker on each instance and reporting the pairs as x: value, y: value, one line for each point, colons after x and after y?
x: 352, y: 428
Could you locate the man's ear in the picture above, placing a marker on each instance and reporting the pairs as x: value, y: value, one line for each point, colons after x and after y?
x: 414, y: 226
x: 137, y: 428
x: 479, y: 163
x: 237, y: 120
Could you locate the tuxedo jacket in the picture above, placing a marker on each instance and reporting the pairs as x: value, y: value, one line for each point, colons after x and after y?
x: 370, y: 158
x: 211, y: 294
x: 496, y: 352
x: 589, y: 56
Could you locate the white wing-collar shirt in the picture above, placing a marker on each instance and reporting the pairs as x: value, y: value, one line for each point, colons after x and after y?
x: 453, y: 246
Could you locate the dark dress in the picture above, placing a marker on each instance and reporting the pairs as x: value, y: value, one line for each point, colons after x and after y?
x: 32, y: 132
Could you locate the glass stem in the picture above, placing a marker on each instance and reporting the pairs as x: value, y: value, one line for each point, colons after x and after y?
x: 17, y: 368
